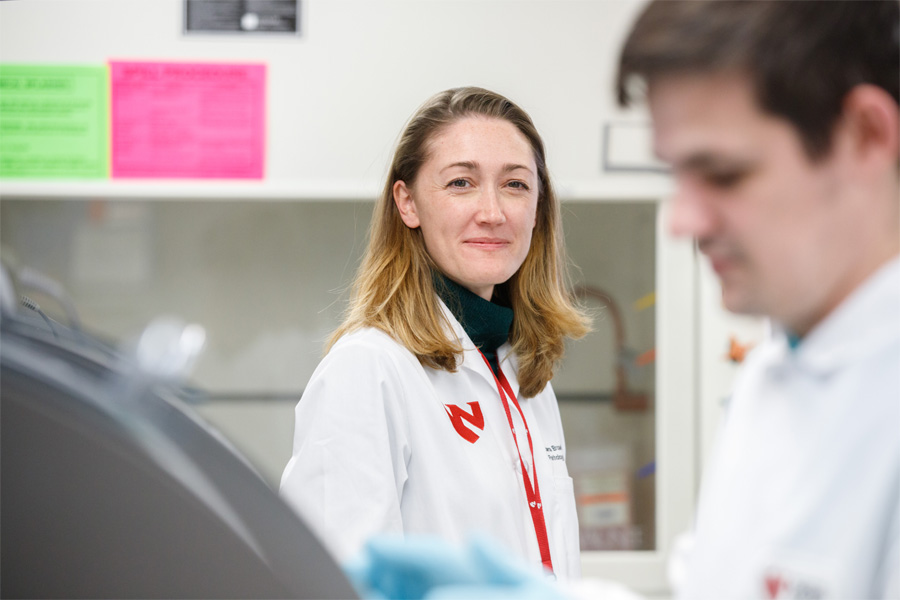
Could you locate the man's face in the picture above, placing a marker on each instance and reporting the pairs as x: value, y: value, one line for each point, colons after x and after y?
x: 769, y: 219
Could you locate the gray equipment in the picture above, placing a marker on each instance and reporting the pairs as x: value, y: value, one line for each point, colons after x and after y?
x: 112, y: 488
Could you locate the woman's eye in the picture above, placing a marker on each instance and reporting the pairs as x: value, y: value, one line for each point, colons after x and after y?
x: 458, y: 183
x: 519, y: 185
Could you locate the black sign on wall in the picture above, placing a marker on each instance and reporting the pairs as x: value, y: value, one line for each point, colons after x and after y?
x: 242, y: 16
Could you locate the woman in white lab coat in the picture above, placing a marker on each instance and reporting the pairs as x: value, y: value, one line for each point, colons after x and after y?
x: 432, y: 412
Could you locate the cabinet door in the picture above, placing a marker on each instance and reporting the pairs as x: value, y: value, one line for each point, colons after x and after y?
x: 627, y: 390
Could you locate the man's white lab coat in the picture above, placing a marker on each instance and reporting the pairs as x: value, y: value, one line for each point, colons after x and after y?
x: 802, y: 497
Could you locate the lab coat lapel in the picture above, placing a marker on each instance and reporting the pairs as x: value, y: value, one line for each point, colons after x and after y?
x: 509, y: 364
x: 474, y: 363
x: 472, y: 357
x: 862, y: 325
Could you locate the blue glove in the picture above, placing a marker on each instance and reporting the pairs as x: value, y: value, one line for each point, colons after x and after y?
x: 412, y: 568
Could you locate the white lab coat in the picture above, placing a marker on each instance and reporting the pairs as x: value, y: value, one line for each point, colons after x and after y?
x: 375, y: 451
x: 802, y: 498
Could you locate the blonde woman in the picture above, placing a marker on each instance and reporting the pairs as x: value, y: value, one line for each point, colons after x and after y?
x: 432, y: 411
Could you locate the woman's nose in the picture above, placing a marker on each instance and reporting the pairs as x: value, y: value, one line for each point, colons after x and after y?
x: 490, y: 208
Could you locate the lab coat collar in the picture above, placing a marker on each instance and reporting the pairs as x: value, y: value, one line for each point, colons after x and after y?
x: 472, y: 358
x: 867, y: 321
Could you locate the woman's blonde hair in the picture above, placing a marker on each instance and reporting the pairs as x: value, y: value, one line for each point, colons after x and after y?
x: 394, y: 290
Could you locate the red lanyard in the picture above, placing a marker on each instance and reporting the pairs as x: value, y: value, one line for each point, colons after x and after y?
x: 533, y: 494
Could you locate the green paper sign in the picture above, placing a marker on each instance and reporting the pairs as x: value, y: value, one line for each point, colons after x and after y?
x: 54, y: 121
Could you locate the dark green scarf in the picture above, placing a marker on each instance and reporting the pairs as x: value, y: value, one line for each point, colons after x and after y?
x: 486, y: 323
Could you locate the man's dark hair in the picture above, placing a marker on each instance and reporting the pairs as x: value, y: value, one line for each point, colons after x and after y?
x: 803, y: 57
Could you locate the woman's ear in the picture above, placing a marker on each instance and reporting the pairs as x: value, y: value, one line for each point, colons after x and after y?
x: 405, y: 204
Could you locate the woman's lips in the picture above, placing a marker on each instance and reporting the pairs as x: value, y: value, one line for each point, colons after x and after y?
x: 488, y: 243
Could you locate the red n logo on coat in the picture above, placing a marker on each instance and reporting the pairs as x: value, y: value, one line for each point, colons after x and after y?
x: 475, y: 418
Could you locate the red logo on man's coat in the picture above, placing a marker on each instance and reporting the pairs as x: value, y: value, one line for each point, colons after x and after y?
x: 774, y: 586
x: 475, y: 418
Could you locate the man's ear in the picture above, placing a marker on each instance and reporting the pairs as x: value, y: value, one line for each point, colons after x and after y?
x: 871, y: 122
x: 405, y: 204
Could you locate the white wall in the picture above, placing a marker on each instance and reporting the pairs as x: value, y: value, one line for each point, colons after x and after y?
x: 339, y: 93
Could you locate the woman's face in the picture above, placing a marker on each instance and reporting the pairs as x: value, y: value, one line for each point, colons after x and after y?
x: 475, y: 199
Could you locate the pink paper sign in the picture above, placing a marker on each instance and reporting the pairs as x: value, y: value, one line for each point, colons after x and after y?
x: 188, y: 120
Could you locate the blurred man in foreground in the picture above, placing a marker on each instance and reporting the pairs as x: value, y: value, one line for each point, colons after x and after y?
x: 780, y: 123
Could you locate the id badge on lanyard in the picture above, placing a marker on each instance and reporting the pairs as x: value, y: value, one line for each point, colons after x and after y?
x: 532, y: 491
